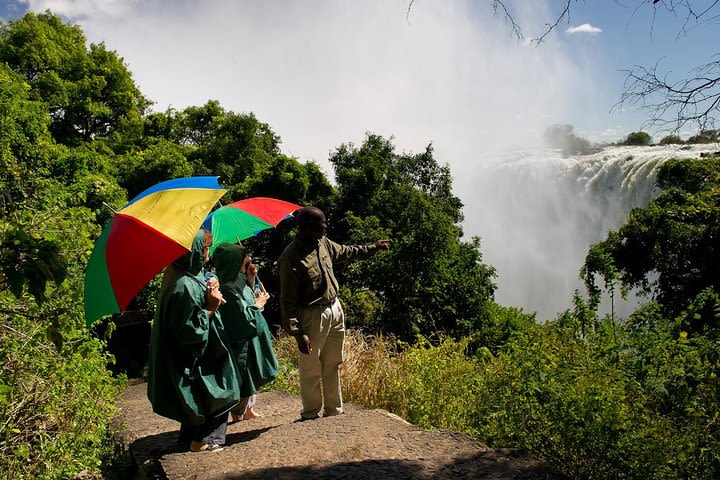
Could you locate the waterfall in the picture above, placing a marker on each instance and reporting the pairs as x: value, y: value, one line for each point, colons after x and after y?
x: 538, y: 212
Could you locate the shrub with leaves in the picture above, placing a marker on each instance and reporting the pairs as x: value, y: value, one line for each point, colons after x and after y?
x: 54, y: 403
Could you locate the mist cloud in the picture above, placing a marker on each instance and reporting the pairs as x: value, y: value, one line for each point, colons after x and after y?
x: 326, y: 72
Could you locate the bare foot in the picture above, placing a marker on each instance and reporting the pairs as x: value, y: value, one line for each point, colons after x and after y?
x: 250, y: 413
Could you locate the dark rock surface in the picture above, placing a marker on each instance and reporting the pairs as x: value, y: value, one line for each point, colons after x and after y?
x: 362, y: 444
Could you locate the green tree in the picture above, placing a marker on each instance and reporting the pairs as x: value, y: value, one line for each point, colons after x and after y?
x: 89, y: 92
x: 430, y: 280
x: 638, y: 138
x: 56, y: 395
x: 705, y: 136
x: 234, y: 146
x: 160, y: 161
x: 25, y: 144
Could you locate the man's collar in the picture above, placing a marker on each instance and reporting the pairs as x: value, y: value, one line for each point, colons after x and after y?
x: 308, y: 245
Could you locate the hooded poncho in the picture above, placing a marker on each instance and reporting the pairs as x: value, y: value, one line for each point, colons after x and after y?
x: 249, y: 335
x: 191, y: 376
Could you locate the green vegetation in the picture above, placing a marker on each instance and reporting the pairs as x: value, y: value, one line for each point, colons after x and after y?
x: 597, y: 397
x: 671, y: 140
x: 673, y: 241
x: 705, y: 136
x: 430, y: 280
x: 638, y: 138
x: 594, y: 398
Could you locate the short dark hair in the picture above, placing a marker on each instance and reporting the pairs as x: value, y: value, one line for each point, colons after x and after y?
x: 310, y: 216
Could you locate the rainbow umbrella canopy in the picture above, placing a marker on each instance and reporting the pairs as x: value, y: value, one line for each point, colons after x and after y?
x: 146, y: 235
x: 243, y: 219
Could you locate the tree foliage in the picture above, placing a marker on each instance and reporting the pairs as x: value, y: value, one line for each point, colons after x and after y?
x: 56, y: 395
x: 430, y: 280
x: 705, y: 136
x: 638, y: 138
x: 671, y: 140
x: 88, y: 92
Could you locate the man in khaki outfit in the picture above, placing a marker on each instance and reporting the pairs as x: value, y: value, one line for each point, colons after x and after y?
x: 311, y: 311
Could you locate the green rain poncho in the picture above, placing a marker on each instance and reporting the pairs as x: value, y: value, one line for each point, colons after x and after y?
x: 249, y: 335
x: 191, y: 377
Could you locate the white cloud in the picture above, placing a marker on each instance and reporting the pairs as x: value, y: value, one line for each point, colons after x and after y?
x: 82, y: 9
x: 584, y: 28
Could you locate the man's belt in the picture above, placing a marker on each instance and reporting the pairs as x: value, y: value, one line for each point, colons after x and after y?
x: 319, y: 304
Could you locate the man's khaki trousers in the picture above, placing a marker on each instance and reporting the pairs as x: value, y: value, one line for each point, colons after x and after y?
x: 325, y: 326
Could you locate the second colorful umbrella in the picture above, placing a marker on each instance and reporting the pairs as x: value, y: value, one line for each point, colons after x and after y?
x: 243, y: 219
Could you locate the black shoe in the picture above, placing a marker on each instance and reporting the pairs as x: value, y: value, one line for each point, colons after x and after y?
x: 305, y: 419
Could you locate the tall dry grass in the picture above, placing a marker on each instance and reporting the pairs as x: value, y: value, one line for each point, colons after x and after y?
x: 428, y: 385
x: 369, y: 373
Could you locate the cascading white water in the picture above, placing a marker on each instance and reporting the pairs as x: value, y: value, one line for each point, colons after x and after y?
x: 538, y: 212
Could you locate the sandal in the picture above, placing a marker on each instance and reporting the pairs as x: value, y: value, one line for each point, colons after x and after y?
x: 204, y: 447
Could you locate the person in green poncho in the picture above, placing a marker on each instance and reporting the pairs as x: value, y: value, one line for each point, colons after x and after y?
x: 249, y: 335
x: 192, y: 377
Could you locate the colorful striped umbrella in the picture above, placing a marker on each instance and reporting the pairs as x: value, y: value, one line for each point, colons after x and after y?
x: 243, y: 219
x: 146, y: 235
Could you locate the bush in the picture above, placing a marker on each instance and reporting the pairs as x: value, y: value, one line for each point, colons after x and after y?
x: 560, y: 398
x: 426, y: 384
x: 56, y: 394
x: 705, y: 136
x: 638, y: 138
x: 671, y: 140
x: 55, y: 404
x: 636, y: 400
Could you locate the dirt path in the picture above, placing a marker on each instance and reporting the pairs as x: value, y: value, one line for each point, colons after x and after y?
x: 363, y: 444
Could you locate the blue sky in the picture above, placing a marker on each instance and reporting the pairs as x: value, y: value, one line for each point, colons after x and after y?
x: 450, y: 72
x: 632, y: 37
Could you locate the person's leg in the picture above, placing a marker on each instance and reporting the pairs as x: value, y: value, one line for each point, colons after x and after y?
x: 250, y: 412
x: 309, y: 365
x: 239, y: 410
x: 187, y: 434
x: 215, y: 430
x: 331, y: 357
x: 208, y: 436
